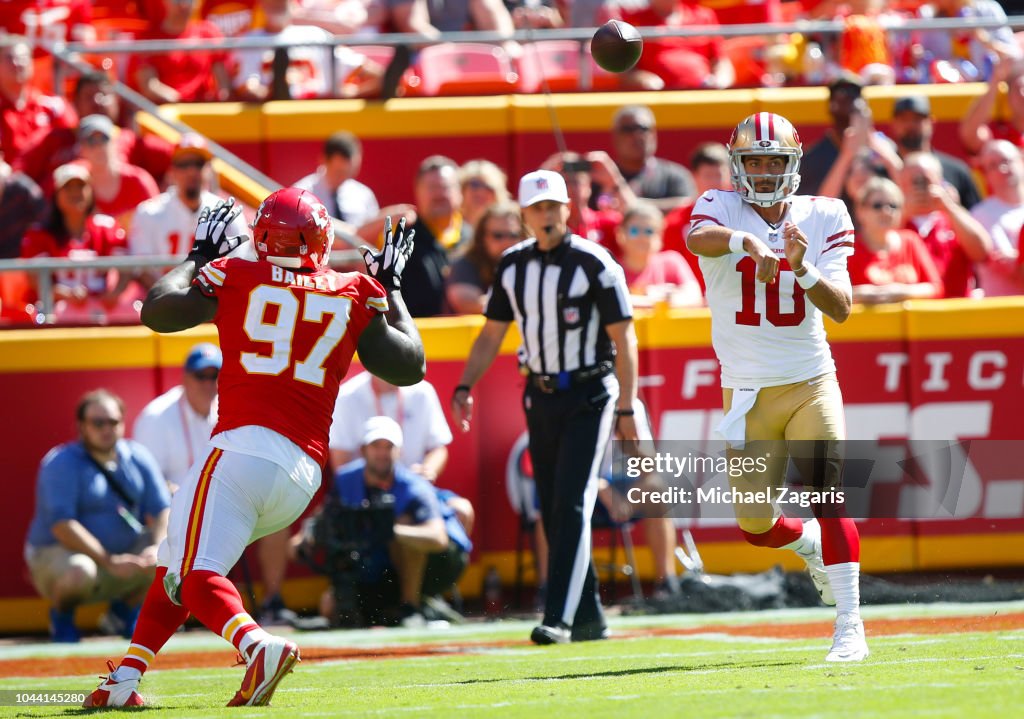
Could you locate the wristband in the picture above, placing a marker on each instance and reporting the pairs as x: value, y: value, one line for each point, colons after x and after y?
x: 623, y: 413
x: 810, y: 278
x: 736, y: 242
x: 462, y: 388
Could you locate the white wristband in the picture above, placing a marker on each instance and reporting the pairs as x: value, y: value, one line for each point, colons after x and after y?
x: 810, y: 278
x: 736, y: 242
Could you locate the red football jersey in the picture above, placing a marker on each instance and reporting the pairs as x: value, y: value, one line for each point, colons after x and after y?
x: 287, y: 339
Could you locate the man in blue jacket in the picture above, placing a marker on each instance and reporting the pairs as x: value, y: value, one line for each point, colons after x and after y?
x: 101, y: 511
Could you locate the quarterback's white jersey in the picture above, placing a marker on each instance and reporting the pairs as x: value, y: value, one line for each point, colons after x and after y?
x: 163, y: 225
x: 770, y: 335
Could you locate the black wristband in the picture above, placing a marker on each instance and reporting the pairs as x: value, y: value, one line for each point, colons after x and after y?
x: 461, y: 388
x: 623, y: 413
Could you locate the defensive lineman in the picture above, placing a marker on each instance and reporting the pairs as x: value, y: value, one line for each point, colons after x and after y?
x: 774, y: 262
x: 288, y: 326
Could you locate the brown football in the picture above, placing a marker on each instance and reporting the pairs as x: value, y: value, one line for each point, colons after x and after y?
x: 616, y: 46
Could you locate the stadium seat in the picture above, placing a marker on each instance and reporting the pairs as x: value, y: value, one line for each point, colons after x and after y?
x: 15, y: 294
x: 558, y: 62
x: 382, y: 55
x: 462, y: 69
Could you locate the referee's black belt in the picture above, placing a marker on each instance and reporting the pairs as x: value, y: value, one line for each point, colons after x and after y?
x: 550, y: 383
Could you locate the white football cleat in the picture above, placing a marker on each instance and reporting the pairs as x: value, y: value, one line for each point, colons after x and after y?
x: 113, y: 693
x: 848, y: 642
x: 815, y: 564
x: 268, y: 663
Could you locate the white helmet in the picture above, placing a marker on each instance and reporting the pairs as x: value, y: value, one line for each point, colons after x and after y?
x: 765, y: 133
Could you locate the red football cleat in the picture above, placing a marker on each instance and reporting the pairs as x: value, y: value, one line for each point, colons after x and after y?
x: 269, y: 661
x: 111, y: 693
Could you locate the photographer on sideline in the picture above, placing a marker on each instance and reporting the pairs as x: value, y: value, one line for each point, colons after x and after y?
x: 429, y: 550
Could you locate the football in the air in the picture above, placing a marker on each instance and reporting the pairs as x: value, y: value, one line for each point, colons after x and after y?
x: 616, y: 46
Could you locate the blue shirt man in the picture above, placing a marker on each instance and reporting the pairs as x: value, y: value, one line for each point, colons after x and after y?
x: 101, y: 510
x: 430, y: 547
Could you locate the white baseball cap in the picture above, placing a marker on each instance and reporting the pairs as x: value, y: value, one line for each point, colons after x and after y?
x: 542, y: 185
x: 382, y: 428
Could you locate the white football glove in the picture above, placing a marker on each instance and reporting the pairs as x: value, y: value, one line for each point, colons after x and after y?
x: 211, y: 232
x: 386, y: 265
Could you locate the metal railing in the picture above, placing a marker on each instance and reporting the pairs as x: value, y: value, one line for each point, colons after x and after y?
x: 44, y: 267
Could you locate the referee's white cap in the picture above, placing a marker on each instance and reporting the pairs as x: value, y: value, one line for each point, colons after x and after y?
x: 542, y: 185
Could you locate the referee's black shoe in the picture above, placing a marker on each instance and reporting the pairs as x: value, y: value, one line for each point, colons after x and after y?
x: 589, y: 632
x: 544, y: 634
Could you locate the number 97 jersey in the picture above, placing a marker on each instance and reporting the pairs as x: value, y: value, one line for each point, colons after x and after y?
x: 769, y: 335
x: 287, y: 338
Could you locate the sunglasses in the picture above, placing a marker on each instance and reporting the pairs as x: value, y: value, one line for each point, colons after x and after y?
x: 476, y: 183
x: 635, y: 231
x: 503, y: 236
x: 876, y: 206
x: 95, y: 140
x: 190, y: 164
x: 206, y: 377
x: 103, y: 422
x: 630, y: 129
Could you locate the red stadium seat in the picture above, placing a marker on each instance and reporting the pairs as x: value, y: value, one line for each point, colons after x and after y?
x: 558, y: 62
x: 15, y: 293
x: 462, y: 69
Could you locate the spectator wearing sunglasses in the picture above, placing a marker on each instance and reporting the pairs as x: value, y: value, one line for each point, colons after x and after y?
x: 165, y: 224
x: 484, y: 184
x: 469, y: 282
x: 634, y: 142
x: 654, y: 274
x: 176, y: 426
x: 101, y: 510
x: 890, y: 264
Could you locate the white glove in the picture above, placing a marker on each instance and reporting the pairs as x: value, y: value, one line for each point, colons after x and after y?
x: 386, y: 266
x: 211, y: 232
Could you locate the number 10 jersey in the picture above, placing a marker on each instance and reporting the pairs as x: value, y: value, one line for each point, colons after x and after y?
x: 770, y: 335
x: 288, y: 339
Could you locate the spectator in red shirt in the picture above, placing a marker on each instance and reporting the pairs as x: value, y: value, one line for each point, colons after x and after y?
x: 25, y: 113
x: 953, y: 237
x: 75, y: 230
x: 182, y: 75
x: 654, y: 274
x: 709, y: 164
x: 118, y: 186
x: 94, y: 95
x: 978, y: 127
x: 48, y: 20
x: 681, y: 62
x: 890, y: 264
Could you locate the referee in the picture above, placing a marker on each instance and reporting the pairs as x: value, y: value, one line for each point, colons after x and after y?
x: 569, y: 298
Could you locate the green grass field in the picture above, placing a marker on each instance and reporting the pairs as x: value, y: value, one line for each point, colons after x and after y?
x: 927, y: 661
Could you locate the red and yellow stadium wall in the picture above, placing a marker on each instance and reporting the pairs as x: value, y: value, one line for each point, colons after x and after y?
x: 912, y: 369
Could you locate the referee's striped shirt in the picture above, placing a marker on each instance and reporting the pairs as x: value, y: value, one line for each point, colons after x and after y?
x: 561, y: 300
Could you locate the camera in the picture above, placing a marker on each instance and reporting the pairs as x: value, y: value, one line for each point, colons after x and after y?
x: 576, y: 166
x: 920, y: 182
x: 343, y: 538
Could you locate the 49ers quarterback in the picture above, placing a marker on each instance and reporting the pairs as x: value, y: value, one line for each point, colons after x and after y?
x: 774, y: 262
x: 288, y: 326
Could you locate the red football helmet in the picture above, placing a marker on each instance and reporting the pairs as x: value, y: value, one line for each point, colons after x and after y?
x: 292, y: 229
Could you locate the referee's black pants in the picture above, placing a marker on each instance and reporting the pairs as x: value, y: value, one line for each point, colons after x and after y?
x: 568, y: 433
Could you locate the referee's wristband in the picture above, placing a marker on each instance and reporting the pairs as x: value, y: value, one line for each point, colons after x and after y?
x: 736, y: 242
x: 809, y: 278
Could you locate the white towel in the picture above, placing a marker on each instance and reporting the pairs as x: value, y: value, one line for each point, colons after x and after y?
x: 733, y: 426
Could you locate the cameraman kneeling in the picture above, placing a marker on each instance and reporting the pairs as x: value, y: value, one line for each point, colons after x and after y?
x: 429, y: 549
